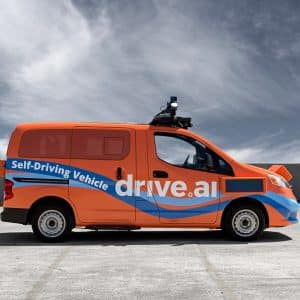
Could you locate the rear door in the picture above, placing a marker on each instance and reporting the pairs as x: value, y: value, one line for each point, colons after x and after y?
x: 100, y: 156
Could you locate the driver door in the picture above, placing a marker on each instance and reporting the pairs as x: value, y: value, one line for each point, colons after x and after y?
x: 183, y: 186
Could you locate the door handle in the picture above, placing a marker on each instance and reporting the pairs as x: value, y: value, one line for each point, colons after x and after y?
x: 119, y: 173
x: 160, y: 174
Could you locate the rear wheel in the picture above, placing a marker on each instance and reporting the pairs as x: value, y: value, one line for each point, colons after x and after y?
x: 52, y: 223
x: 245, y: 222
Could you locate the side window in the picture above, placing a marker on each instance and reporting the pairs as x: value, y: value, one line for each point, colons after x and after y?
x: 100, y: 144
x: 224, y: 167
x: 174, y: 150
x: 51, y: 143
x: 185, y: 152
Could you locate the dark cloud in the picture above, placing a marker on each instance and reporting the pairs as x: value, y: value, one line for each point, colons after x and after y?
x: 234, y: 64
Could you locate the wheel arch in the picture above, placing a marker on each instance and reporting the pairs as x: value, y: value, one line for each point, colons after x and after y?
x: 53, y: 200
x: 243, y: 201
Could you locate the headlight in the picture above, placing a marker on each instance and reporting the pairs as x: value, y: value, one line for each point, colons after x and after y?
x: 276, y: 180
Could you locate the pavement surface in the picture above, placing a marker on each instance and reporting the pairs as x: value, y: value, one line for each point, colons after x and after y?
x: 149, y: 264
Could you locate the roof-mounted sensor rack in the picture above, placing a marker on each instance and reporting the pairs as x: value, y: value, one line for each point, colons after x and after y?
x: 167, y: 117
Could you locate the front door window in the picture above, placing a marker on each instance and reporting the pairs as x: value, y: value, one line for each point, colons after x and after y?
x: 185, y: 152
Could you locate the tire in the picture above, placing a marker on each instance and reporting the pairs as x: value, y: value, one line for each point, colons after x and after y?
x: 244, y: 222
x: 52, y: 223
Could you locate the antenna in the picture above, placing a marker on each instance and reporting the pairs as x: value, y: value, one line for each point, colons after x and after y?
x: 167, y: 116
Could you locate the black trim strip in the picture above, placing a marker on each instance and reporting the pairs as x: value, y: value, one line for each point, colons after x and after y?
x: 41, y: 180
x: 14, y: 215
x: 251, y: 185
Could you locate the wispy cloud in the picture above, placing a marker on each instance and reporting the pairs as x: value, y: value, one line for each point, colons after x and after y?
x: 119, y: 61
x: 282, y: 153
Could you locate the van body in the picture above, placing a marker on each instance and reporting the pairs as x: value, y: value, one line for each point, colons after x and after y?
x: 95, y: 175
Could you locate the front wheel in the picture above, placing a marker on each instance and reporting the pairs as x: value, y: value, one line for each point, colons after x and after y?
x: 245, y: 223
x: 52, y: 223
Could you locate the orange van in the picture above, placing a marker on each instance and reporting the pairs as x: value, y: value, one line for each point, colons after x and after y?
x: 59, y: 176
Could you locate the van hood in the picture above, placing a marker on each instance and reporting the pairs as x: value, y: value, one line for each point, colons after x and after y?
x: 280, y: 170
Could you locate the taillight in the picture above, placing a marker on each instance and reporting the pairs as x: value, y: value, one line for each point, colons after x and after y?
x: 8, y: 193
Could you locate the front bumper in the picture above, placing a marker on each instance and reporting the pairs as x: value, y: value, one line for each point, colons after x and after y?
x: 14, y: 215
x: 287, y: 208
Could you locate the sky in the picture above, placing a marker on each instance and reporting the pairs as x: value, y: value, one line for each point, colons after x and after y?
x: 234, y: 65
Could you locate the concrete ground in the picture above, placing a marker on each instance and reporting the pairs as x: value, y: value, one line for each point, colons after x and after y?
x: 149, y: 264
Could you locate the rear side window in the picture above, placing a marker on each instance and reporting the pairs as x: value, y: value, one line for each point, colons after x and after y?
x: 50, y: 143
x: 100, y: 144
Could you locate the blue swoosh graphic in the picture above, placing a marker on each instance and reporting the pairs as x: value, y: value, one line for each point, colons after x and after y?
x: 288, y: 208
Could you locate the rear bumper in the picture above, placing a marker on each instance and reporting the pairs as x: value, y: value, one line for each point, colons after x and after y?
x: 14, y: 215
